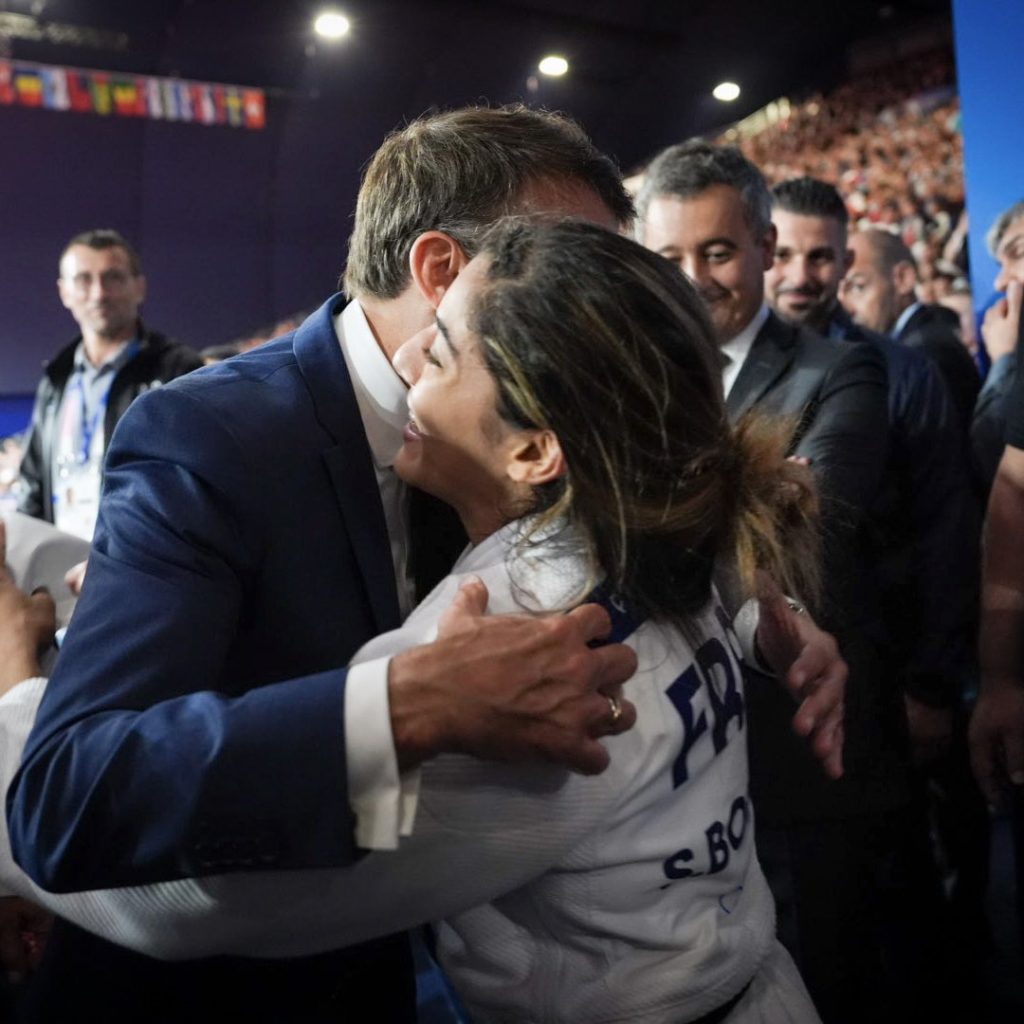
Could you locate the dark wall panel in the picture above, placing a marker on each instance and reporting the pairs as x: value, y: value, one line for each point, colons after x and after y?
x: 236, y: 228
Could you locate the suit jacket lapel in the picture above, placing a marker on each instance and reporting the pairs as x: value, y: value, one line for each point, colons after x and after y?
x: 349, y: 462
x: 766, y: 362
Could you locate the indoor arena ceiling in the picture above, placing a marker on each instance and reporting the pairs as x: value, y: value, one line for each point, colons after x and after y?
x: 641, y: 71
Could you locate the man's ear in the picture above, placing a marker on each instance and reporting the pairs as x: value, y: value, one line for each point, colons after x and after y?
x: 435, y: 260
x: 536, y: 458
x: 904, y: 277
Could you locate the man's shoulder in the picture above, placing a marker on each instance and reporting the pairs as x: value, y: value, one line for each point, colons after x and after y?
x: 58, y: 369
x: 170, y: 357
x: 813, y: 350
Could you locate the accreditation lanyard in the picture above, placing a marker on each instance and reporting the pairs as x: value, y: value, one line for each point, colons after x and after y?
x: 91, y: 423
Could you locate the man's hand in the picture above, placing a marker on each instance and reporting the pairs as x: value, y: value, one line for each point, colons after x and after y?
x: 27, y: 625
x: 996, y: 737
x: 808, y: 662
x: 1002, y: 321
x: 511, y: 687
x: 24, y: 929
x: 930, y: 729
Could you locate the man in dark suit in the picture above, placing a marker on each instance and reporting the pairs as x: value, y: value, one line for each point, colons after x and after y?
x: 923, y: 555
x: 925, y: 518
x: 830, y: 851
x: 251, y: 537
x: 879, y: 293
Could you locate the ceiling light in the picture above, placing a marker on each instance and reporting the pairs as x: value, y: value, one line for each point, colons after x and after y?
x: 331, y: 25
x: 726, y: 92
x: 553, y: 66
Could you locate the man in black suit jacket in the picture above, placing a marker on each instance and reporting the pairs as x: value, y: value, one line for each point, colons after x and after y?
x: 830, y: 851
x: 879, y: 293
x: 925, y: 519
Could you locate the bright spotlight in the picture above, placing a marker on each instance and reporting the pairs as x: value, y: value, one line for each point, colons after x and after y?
x: 726, y: 92
x: 331, y: 25
x: 553, y: 66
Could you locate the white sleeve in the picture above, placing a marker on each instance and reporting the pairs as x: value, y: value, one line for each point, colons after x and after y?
x: 482, y: 831
x: 383, y: 801
x: 18, y: 709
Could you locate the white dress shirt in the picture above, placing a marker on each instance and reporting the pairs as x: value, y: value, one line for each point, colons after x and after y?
x: 905, y: 316
x: 737, y: 349
x: 383, y: 802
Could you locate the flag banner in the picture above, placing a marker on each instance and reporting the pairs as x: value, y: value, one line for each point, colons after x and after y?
x: 115, y: 94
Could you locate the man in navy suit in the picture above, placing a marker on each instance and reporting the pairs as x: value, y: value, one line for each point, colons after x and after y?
x: 251, y: 537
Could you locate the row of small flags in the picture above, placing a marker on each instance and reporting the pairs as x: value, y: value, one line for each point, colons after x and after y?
x: 114, y: 93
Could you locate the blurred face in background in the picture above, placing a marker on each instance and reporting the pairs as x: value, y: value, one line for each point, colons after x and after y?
x: 709, y: 238
x: 811, y: 259
x: 101, y: 291
x: 869, y: 294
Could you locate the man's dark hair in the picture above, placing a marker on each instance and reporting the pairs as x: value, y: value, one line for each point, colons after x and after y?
x: 888, y: 250
x: 690, y: 168
x: 458, y: 172
x: 810, y: 197
x: 106, y: 238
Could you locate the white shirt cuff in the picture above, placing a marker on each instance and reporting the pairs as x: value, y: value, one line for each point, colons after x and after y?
x: 383, y: 801
x: 745, y: 625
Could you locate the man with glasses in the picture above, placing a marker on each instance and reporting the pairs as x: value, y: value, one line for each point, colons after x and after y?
x: 88, y: 386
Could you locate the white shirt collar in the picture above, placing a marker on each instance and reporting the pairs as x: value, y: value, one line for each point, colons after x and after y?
x: 903, y: 318
x: 738, y: 348
x: 380, y: 392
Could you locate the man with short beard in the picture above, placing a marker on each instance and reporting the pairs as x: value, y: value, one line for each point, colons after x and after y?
x: 923, y: 551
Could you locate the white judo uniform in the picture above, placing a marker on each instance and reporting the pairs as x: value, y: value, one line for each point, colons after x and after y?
x: 634, y: 895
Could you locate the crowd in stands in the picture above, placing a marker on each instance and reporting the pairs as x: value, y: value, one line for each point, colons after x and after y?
x: 891, y: 144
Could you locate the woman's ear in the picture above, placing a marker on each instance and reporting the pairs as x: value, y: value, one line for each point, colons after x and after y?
x: 536, y: 458
x: 435, y: 260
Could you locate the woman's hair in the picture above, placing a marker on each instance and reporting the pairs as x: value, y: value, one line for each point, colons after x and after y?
x: 592, y: 336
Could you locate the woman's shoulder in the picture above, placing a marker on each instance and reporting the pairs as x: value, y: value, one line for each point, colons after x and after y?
x: 528, y: 567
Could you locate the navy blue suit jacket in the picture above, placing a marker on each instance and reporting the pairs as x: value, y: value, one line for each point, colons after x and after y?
x: 194, y: 723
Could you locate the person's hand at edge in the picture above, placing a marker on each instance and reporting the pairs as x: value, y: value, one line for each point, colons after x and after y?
x: 1002, y: 322
x: 27, y: 625
x: 807, y: 661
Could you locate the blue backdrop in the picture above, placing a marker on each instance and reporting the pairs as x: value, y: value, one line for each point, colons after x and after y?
x: 990, y: 67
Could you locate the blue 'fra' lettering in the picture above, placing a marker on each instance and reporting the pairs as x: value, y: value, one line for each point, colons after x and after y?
x: 712, y: 663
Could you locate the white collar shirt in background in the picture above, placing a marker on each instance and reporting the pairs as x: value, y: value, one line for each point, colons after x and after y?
x: 737, y: 349
x: 904, y: 317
